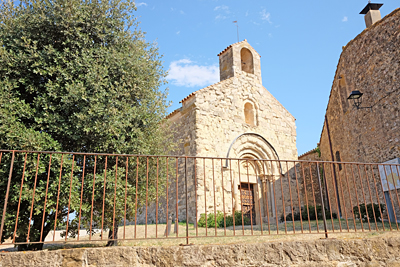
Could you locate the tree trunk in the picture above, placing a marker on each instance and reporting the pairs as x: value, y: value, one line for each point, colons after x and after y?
x: 112, y: 242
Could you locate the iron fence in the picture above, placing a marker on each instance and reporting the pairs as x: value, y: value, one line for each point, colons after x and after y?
x: 53, y: 197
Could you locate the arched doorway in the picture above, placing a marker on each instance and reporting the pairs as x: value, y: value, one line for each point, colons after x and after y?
x: 254, y: 176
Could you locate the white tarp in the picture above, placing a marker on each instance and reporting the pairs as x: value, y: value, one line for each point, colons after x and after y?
x: 390, y: 174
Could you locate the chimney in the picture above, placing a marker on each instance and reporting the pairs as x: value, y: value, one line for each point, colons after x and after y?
x: 372, y: 13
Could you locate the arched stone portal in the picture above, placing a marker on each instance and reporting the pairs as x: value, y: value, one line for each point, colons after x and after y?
x: 258, y: 169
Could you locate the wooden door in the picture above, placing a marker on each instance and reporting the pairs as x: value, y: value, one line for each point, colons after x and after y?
x: 247, y: 198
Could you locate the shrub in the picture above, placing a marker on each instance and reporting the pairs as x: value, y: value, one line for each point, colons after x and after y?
x: 296, y: 217
x: 238, y: 219
x: 220, y: 219
x: 311, y: 211
x: 371, y: 208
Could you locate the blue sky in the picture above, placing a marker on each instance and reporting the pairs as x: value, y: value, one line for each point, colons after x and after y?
x: 299, y: 42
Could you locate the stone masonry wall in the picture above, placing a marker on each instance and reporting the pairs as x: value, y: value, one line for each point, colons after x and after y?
x: 311, y: 177
x: 373, y: 252
x: 371, y: 64
x: 220, y: 115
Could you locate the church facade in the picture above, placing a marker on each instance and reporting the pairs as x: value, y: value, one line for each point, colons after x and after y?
x: 234, y: 118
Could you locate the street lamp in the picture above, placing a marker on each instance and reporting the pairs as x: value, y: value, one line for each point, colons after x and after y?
x: 357, y: 99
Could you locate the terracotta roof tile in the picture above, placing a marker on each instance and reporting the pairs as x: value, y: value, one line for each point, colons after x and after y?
x: 226, y: 49
x: 173, y: 113
x: 308, y: 152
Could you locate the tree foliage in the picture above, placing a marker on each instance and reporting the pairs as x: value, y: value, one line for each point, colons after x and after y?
x: 76, y: 75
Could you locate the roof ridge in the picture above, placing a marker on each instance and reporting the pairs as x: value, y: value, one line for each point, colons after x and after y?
x: 193, y: 93
x: 245, y: 40
x: 223, y: 51
x: 173, y: 113
x: 308, y: 152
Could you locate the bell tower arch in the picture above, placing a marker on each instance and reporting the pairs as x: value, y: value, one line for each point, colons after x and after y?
x: 246, y: 59
x: 237, y: 59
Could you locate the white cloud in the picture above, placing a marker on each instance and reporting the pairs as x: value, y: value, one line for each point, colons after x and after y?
x: 180, y: 11
x: 178, y: 32
x: 266, y: 15
x: 185, y: 73
x: 224, y: 8
x: 345, y: 19
x: 141, y: 4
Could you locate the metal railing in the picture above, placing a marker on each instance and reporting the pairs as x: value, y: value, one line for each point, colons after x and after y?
x: 53, y: 197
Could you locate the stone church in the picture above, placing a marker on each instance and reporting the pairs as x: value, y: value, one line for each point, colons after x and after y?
x: 234, y: 118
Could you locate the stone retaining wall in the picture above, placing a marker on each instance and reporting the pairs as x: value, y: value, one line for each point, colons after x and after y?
x: 330, y: 252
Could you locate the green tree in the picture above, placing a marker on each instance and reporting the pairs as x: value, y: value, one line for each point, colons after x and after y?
x: 76, y: 75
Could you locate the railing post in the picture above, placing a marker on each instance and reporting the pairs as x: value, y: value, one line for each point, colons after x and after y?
x: 181, y: 192
x: 187, y: 213
x: 322, y: 202
x: 6, y: 198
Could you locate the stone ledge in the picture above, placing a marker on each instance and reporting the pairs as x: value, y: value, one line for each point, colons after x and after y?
x: 332, y: 252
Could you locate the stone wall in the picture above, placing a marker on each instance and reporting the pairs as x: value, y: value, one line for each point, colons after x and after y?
x: 330, y: 252
x: 220, y: 115
x: 311, y: 177
x: 175, y: 192
x: 371, y: 64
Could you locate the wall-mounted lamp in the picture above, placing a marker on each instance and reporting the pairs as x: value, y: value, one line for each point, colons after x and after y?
x: 357, y: 98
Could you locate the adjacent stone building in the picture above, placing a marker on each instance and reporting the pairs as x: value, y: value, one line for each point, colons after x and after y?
x: 234, y: 118
x: 370, y: 64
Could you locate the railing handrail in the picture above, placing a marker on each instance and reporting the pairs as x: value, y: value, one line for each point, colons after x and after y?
x: 198, y: 157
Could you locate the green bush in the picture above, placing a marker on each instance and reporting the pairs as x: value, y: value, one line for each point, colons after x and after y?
x: 296, y: 217
x: 311, y: 211
x: 238, y: 219
x: 371, y: 208
x: 220, y: 219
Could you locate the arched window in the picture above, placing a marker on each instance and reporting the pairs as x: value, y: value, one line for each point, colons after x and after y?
x: 186, y: 148
x: 247, y: 60
x: 249, y: 114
